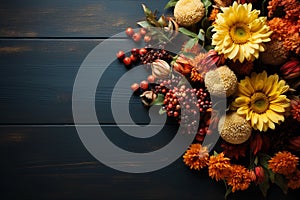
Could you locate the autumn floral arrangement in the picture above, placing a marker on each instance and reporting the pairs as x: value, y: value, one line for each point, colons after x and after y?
x: 254, y: 47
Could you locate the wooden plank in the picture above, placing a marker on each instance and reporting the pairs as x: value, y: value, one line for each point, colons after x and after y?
x: 37, y: 78
x: 71, y: 18
x: 51, y: 163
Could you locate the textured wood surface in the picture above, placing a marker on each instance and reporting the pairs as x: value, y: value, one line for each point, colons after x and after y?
x: 42, y: 45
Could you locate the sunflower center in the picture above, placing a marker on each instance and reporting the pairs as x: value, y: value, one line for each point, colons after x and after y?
x: 259, y: 102
x: 239, y: 33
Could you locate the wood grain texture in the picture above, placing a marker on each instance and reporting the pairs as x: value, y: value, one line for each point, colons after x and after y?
x: 37, y: 78
x: 71, y: 18
x: 51, y: 163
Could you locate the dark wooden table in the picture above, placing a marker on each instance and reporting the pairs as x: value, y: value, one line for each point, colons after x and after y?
x: 42, y: 45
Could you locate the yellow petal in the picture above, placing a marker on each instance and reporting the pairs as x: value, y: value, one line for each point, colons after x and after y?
x: 264, y: 117
x: 276, y: 108
x: 271, y: 125
x: 243, y: 100
x: 243, y: 90
x: 274, y: 117
x: 260, y: 124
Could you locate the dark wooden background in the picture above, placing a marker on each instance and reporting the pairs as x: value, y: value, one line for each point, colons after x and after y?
x: 42, y: 44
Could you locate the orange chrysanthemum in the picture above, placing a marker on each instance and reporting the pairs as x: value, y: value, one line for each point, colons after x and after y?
x: 290, y: 7
x: 283, y: 163
x: 239, y: 178
x: 219, y: 167
x: 294, y: 180
x: 280, y: 27
x: 286, y: 31
x: 292, y: 42
x: 196, y: 157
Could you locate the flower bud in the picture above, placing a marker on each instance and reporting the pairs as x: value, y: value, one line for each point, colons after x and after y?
x: 212, y: 59
x: 253, y: 176
x: 256, y: 143
x: 160, y: 69
x: 183, y: 65
x: 148, y: 97
x: 260, y: 174
x: 291, y: 69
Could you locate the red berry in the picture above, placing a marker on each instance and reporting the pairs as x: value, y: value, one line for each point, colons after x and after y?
x: 147, y: 38
x: 142, y: 51
x: 176, y: 114
x: 135, y: 86
x: 120, y: 55
x: 133, y: 58
x: 151, y: 79
x: 170, y: 106
x: 129, y: 31
x: 134, y: 51
x: 143, y: 31
x: 136, y: 37
x: 144, y: 85
x: 127, y: 61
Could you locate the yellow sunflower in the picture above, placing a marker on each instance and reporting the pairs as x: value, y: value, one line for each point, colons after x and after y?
x: 240, y: 33
x: 261, y: 101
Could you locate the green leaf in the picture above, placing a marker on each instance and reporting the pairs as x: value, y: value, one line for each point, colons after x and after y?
x: 201, y: 35
x: 271, y: 175
x: 265, y: 185
x: 162, y: 111
x: 256, y: 160
x: 187, y: 32
x: 281, y: 181
x: 189, y: 55
x: 205, y: 23
x: 171, y: 4
x: 207, y: 4
x: 209, y: 33
x: 144, y: 24
x: 159, y: 100
x: 228, y: 191
x: 147, y: 11
x: 263, y: 7
x: 191, y: 43
x: 215, y: 153
x: 263, y: 160
x: 209, y: 47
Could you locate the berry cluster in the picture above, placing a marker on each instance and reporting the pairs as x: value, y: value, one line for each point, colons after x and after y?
x: 134, y: 57
x: 177, y: 98
x: 204, y: 101
x: 164, y: 85
x: 154, y: 54
x: 138, y: 36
